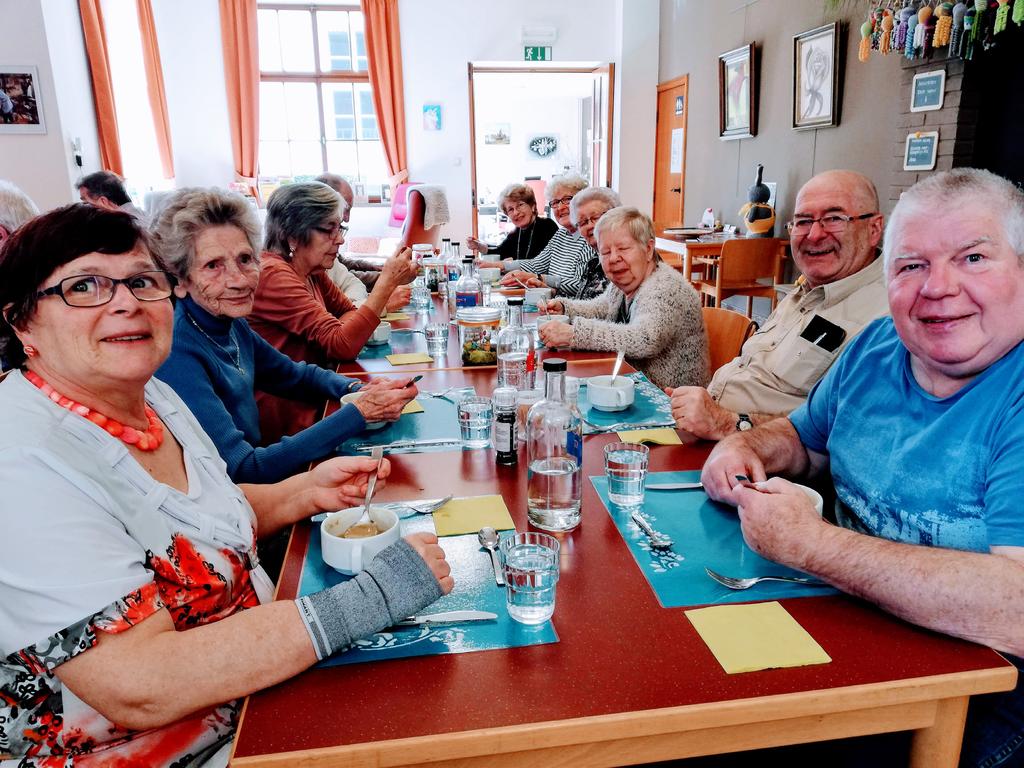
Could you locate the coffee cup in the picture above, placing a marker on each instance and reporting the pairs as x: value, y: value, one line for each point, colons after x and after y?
x: 381, y: 334
x: 607, y: 396
x: 814, y: 496
x: 489, y: 274
x: 535, y: 296
x: 351, y: 555
x: 351, y: 397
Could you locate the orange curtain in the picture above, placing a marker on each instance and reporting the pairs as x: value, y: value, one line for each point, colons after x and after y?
x: 102, y: 86
x: 242, y: 76
x: 155, y: 86
x: 384, y: 56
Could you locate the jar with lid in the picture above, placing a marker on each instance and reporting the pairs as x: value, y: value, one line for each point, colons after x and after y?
x: 478, y: 328
x: 431, y: 270
x: 421, y: 251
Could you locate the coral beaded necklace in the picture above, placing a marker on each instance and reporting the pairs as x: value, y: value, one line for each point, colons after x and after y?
x: 149, y: 440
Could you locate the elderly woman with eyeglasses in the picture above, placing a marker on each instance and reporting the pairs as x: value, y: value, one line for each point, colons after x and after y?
x: 585, y: 210
x: 208, y: 239
x: 648, y: 310
x: 561, y: 264
x: 297, y: 308
x: 134, y: 614
x: 531, y: 232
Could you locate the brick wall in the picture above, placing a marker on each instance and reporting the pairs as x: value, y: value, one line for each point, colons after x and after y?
x: 955, y: 122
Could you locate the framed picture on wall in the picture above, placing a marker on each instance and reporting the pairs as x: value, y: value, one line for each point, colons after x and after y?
x: 20, y: 108
x: 816, y: 83
x: 737, y: 93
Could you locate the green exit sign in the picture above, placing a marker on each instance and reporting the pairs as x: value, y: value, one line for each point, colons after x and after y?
x: 537, y: 53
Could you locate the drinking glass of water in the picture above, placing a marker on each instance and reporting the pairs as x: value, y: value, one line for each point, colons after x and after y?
x: 475, y: 415
x: 420, y: 294
x: 436, y: 335
x: 625, y: 465
x: 530, y: 564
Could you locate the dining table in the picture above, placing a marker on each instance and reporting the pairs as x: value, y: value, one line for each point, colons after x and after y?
x: 627, y: 680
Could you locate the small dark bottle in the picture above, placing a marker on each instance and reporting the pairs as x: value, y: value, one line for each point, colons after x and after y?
x: 505, y: 441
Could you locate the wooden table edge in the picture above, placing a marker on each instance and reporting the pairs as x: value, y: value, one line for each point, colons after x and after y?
x: 912, y: 704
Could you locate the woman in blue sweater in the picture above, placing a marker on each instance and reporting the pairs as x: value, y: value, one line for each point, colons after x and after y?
x: 208, y: 239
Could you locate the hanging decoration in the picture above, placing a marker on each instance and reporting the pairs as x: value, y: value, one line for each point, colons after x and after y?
x: 915, y: 28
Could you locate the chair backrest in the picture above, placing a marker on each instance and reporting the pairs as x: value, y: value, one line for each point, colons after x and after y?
x: 746, y: 260
x: 538, y: 186
x: 414, y: 230
x: 400, y: 204
x: 727, y: 330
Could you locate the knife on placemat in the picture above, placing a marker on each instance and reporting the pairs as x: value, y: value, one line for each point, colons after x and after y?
x: 446, y: 617
x: 397, y: 444
x: 674, y: 486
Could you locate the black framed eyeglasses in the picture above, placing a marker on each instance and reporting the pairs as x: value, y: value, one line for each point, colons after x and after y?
x: 333, y: 229
x: 831, y: 222
x: 559, y: 201
x: 96, y: 290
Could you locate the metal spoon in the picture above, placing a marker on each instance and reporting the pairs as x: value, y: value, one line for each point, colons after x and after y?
x: 615, y: 368
x: 488, y: 538
x: 378, y: 454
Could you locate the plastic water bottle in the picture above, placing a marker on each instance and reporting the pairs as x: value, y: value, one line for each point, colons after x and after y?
x: 555, y: 449
x: 517, y: 358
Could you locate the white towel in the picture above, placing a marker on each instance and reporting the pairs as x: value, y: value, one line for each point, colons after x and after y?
x: 435, y: 205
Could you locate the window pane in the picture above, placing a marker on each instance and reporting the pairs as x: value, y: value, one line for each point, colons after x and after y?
x: 365, y: 113
x: 302, y: 111
x: 272, y: 112
x: 274, y: 159
x: 296, y: 40
x: 372, y: 168
x: 307, y: 159
x: 359, y: 35
x: 335, y: 48
x: 339, y: 115
x: 269, y: 41
x: 342, y: 158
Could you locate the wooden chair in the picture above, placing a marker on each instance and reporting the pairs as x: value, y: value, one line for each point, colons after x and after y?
x: 727, y: 330
x: 742, y: 269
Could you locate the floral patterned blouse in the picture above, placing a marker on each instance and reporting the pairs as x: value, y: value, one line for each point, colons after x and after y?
x: 93, y: 544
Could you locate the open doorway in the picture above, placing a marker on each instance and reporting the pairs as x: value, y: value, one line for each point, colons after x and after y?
x: 529, y: 124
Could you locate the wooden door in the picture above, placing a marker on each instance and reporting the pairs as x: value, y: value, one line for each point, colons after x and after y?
x: 670, y: 153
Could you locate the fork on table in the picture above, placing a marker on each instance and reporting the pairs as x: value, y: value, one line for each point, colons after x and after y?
x: 735, y: 583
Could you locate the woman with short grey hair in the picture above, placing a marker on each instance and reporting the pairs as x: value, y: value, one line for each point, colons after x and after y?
x: 562, y: 263
x: 531, y: 233
x: 208, y: 239
x: 648, y: 310
x: 298, y: 310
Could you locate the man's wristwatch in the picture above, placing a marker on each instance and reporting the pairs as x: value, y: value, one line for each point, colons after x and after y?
x: 743, y: 422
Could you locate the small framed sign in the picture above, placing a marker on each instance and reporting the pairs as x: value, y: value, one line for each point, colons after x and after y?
x: 928, y: 91
x: 920, y: 150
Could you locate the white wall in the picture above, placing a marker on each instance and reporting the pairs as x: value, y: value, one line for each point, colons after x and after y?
x: 188, y: 32
x: 636, y: 102
x: 435, y: 65
x: 35, y: 162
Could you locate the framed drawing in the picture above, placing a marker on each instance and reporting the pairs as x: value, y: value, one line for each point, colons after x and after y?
x: 737, y: 93
x: 816, y: 82
x: 20, y: 108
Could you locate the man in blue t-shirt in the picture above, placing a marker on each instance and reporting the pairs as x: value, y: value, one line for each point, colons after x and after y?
x: 919, y: 423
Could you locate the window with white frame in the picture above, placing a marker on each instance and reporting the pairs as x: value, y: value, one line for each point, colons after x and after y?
x: 316, y: 103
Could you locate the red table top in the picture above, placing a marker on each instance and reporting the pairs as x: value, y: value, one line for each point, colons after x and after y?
x: 406, y: 342
x: 619, y: 650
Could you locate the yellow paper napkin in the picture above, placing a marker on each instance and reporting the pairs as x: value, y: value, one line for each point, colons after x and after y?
x: 660, y: 436
x: 746, y: 638
x: 391, y: 317
x: 412, y: 407
x: 469, y: 515
x: 407, y: 358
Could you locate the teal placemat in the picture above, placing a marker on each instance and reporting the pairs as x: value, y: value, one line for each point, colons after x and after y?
x: 439, y: 419
x: 651, y: 407
x: 706, y: 534
x: 474, y: 590
x: 402, y: 341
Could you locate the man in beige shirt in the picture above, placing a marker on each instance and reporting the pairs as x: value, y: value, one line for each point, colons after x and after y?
x: 834, y: 237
